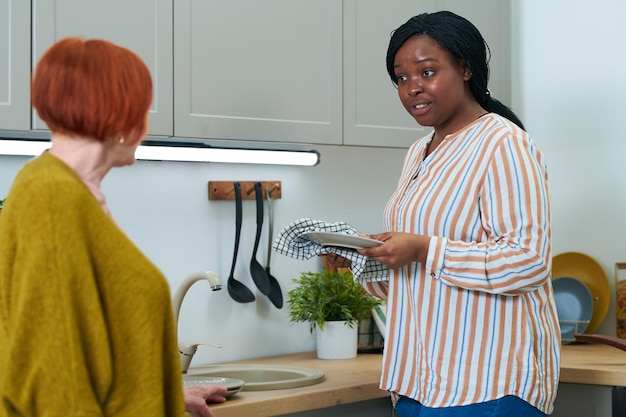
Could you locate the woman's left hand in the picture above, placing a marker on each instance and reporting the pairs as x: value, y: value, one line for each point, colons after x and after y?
x: 398, y: 249
x: 197, y: 397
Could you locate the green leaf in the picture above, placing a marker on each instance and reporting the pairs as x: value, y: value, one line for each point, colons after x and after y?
x: 329, y: 296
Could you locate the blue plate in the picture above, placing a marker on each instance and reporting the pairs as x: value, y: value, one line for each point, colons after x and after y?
x: 574, y: 306
x: 589, y: 271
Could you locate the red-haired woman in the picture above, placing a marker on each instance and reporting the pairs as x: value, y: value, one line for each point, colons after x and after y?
x: 86, y: 320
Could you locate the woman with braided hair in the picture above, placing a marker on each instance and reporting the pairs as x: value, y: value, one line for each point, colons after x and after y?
x: 472, y: 328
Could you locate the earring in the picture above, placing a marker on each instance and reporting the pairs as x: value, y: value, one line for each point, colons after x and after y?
x: 121, y: 140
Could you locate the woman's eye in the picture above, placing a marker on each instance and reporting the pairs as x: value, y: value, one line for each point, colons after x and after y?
x: 401, y: 78
x: 428, y: 73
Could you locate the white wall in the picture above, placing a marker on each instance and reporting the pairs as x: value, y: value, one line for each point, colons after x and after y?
x: 164, y: 208
x: 570, y: 93
x: 569, y: 89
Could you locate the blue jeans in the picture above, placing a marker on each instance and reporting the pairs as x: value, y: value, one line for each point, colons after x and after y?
x: 509, y: 406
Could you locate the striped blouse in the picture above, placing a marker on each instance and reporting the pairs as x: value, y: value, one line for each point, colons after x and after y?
x: 478, y: 320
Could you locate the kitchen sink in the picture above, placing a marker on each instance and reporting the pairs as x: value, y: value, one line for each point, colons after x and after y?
x: 260, y: 377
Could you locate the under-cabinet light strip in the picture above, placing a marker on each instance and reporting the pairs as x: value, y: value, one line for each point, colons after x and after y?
x: 180, y: 153
x: 22, y: 147
x: 239, y: 156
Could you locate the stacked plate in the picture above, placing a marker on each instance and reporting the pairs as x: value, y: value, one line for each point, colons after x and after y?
x: 574, y: 305
x: 233, y: 386
x: 582, y: 293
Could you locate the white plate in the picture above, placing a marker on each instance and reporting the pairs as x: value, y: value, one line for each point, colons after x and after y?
x: 341, y: 239
x: 232, y: 385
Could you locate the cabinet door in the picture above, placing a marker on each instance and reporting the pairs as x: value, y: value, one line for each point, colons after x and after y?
x: 258, y: 70
x: 15, y: 68
x: 143, y: 26
x: 373, y: 114
x: 493, y: 20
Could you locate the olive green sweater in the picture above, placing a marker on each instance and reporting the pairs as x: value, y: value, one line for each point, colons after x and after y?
x: 86, y: 322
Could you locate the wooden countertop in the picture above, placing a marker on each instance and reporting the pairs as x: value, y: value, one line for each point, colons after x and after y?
x: 594, y: 364
x: 346, y: 381
x: 354, y: 380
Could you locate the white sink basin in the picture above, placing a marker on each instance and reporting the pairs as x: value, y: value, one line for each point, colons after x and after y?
x: 261, y: 377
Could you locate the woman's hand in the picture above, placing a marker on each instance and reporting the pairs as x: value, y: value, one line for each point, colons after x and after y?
x: 332, y: 261
x: 398, y: 249
x: 197, y: 397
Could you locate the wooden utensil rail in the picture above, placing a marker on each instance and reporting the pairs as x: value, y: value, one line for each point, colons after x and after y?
x: 224, y: 190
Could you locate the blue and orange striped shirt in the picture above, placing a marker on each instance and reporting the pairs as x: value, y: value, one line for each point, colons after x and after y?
x: 476, y: 321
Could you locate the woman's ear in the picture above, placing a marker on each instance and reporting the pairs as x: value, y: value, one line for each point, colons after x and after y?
x: 133, y: 139
x: 136, y: 136
x: 467, y: 73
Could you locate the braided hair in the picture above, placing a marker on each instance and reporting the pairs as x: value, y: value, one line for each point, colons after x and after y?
x: 464, y: 42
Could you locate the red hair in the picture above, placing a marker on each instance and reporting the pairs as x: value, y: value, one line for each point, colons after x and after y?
x: 92, y: 88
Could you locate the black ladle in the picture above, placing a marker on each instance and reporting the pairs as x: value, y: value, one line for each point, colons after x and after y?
x: 276, y: 294
x: 259, y: 276
x: 237, y: 290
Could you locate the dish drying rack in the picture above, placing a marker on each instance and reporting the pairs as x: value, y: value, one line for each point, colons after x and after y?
x: 579, y: 327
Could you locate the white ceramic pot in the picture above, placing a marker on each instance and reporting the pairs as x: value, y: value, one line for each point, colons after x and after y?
x: 337, y: 340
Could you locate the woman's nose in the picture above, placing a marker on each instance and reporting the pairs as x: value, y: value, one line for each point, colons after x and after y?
x: 414, y: 87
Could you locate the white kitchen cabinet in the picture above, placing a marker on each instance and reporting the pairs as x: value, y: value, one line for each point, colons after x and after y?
x: 373, y: 114
x: 493, y: 19
x: 258, y: 70
x: 143, y: 26
x: 279, y: 70
x: 15, y: 68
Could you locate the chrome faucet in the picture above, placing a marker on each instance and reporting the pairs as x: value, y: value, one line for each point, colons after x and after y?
x: 188, y: 349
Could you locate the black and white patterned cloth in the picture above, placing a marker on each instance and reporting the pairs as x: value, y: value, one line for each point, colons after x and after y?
x: 292, y: 242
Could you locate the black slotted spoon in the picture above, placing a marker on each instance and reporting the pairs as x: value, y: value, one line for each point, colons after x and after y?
x: 238, y: 290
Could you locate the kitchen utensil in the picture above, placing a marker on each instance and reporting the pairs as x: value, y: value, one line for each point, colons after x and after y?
x: 259, y: 276
x: 574, y: 306
x: 276, y: 294
x: 592, y: 274
x: 237, y: 290
x: 602, y: 339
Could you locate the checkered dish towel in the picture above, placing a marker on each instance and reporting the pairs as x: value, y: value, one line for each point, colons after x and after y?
x: 291, y: 242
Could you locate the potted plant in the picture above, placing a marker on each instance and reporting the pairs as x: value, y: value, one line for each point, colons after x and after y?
x: 332, y: 302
